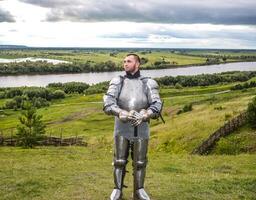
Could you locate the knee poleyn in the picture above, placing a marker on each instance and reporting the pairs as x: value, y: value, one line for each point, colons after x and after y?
x: 119, y: 162
x: 141, y: 163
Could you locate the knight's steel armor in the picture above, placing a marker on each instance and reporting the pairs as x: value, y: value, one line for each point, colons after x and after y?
x: 130, y: 94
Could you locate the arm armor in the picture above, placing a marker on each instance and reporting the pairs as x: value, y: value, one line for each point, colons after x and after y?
x: 110, y: 106
x: 155, y: 103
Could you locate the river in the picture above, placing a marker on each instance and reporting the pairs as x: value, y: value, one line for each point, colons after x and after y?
x: 92, y: 78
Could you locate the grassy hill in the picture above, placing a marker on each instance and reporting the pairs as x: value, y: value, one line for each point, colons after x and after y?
x: 86, y: 172
x: 82, y: 115
x: 242, y: 140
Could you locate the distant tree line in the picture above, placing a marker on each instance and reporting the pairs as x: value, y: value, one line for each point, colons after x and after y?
x: 43, y: 67
x: 218, y: 56
x: 206, y: 79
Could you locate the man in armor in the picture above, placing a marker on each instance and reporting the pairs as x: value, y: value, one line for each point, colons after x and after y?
x: 133, y: 100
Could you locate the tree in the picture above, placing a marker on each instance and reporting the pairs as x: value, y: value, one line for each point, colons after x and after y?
x: 31, y: 128
x: 251, y: 110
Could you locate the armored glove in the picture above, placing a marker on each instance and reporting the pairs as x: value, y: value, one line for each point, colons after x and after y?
x: 123, y: 115
x: 146, y: 114
x: 137, y: 118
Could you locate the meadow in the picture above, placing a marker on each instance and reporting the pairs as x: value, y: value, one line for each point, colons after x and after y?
x: 72, y: 173
x: 173, y: 173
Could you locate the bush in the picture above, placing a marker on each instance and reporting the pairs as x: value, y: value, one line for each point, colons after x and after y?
x: 13, y: 92
x: 178, y: 86
x: 18, y: 102
x: 75, y: 87
x: 58, y: 94
x: 143, y: 60
x: 55, y: 85
x: 37, y: 92
x: 187, y: 107
x: 2, y: 95
x: 97, y: 88
x: 15, y: 103
x: 10, y: 104
x: 251, y: 110
x: 39, y: 102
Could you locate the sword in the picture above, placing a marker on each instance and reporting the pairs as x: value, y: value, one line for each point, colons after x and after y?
x: 160, y: 113
x: 135, y: 162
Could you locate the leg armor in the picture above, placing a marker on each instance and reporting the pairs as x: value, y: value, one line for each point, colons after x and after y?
x: 120, y: 161
x: 140, y: 148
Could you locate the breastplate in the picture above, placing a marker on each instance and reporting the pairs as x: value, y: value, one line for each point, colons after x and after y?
x: 133, y: 95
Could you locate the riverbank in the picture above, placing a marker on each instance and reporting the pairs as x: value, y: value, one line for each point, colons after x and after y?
x: 55, y: 62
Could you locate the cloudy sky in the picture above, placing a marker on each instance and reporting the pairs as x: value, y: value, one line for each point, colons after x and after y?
x: 129, y: 23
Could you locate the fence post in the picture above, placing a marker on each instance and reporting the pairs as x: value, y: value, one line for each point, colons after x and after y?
x: 1, y: 139
x: 61, y: 136
x: 76, y: 139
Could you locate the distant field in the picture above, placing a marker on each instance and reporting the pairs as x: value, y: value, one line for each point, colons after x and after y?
x: 98, y: 56
x: 116, y: 55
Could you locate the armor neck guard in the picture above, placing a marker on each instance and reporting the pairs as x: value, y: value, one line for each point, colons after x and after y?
x: 130, y: 76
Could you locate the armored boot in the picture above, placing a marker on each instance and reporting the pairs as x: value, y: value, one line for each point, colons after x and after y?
x: 139, y: 165
x: 120, y: 161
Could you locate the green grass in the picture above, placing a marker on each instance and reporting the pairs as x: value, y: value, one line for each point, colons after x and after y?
x: 68, y: 173
x: 86, y: 173
x: 83, y: 116
x: 242, y: 140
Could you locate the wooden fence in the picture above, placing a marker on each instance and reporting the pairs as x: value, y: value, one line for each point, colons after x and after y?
x: 46, y: 141
x: 225, y: 130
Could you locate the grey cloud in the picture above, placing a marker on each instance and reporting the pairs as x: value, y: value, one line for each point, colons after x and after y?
x: 5, y: 16
x: 241, y: 34
x: 13, y: 30
x: 161, y: 11
x: 50, y: 3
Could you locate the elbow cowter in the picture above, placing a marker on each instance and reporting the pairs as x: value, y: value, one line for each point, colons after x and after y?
x: 110, y: 107
x: 154, y: 98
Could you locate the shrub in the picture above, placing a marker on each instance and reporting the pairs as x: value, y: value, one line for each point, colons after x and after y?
x: 37, y: 92
x: 251, y: 110
x: 39, y: 102
x: 13, y: 92
x: 75, y: 87
x: 58, y: 94
x: 187, y: 107
x: 178, y: 86
x: 2, y: 95
x: 15, y: 103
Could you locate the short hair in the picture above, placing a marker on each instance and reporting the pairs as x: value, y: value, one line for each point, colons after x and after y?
x: 137, y: 58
